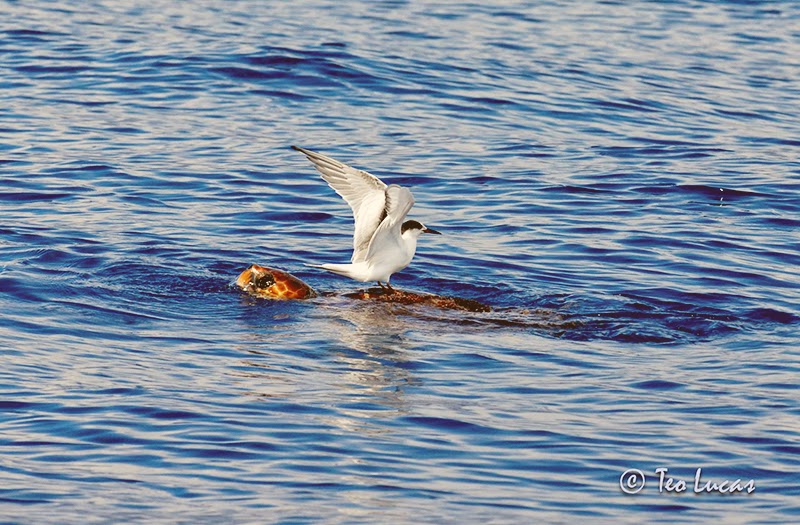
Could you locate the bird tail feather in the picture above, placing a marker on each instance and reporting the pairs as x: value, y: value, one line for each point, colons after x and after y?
x: 340, y: 269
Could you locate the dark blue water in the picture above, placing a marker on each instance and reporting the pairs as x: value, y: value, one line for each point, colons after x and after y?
x: 620, y: 180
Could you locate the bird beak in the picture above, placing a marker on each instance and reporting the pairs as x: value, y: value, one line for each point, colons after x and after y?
x: 428, y: 230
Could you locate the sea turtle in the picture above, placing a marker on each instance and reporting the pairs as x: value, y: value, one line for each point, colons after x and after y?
x: 270, y: 283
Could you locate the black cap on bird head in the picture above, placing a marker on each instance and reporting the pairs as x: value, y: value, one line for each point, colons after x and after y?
x: 416, y: 225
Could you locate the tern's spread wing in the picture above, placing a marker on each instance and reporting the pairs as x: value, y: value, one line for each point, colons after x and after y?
x: 364, y: 192
x: 387, y: 238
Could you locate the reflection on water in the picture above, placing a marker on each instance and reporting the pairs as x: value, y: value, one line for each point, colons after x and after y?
x: 375, y: 341
x: 367, y: 344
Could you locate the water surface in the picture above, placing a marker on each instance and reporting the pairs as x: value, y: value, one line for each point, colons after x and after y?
x: 618, y: 179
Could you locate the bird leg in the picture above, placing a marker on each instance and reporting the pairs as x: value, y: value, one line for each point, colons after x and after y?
x: 388, y: 287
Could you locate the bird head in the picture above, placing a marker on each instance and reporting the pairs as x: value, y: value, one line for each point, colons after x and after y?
x: 415, y: 228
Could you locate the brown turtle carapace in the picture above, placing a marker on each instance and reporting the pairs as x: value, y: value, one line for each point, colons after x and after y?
x: 270, y: 283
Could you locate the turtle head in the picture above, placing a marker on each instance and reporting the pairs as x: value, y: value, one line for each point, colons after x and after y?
x: 255, y: 277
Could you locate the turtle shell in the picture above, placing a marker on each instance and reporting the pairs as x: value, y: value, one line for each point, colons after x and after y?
x: 273, y: 284
x: 402, y: 297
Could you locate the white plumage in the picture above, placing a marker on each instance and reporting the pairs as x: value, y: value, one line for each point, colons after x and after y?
x: 383, y: 242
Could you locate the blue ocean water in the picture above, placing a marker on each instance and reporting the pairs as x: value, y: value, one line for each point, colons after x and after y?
x: 620, y: 180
